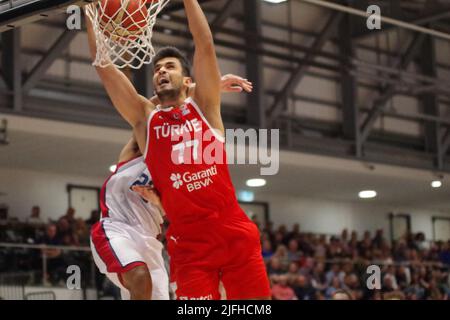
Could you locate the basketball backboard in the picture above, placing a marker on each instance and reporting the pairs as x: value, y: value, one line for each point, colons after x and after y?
x: 14, y: 13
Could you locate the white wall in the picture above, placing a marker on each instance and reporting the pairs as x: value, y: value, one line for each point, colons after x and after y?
x: 26, y: 188
x: 331, y: 217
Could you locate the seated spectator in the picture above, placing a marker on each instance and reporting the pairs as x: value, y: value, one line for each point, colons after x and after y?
x: 376, y: 295
x: 66, y: 232
x: 51, y: 237
x: 277, y: 240
x: 268, y: 229
x: 414, y: 290
x: 318, y: 279
x: 63, y: 227
x: 409, y: 240
x: 414, y: 257
x: 320, y: 249
x: 275, y: 266
x: 345, y: 243
x: 283, y: 230
x: 334, y: 272
x: 294, y: 254
x: 93, y: 219
x: 353, y: 285
x: 294, y: 234
x: 333, y: 287
x: 354, y: 237
x: 335, y: 249
x: 305, y: 245
x: 444, y: 256
x: 344, y: 236
x: 365, y: 245
x: 391, y: 272
x: 319, y: 295
x: 400, y: 251
x: 389, y: 283
x: 342, y: 294
x: 33, y: 228
x: 358, y: 294
x: 55, y: 262
x: 70, y: 216
x: 348, y: 267
x: 351, y: 258
x: 267, y: 251
x: 378, y: 240
x: 420, y: 242
x: 35, y: 216
x: 403, y: 277
x: 306, y: 265
x: 434, y: 292
x: 282, y: 254
x: 303, y: 289
x: 386, y: 256
x: 82, y: 232
x: 410, y: 295
x: 424, y: 277
x: 394, y: 295
x: 293, y: 272
x: 281, y: 290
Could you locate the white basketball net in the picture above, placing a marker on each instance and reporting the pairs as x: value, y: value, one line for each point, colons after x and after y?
x: 127, y: 45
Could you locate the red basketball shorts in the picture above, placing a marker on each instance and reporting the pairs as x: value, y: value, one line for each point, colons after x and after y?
x: 222, y: 253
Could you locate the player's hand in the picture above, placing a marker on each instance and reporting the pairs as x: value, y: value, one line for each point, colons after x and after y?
x: 148, y: 193
x: 233, y: 83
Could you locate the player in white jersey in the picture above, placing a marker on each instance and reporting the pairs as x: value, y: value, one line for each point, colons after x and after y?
x: 124, y: 242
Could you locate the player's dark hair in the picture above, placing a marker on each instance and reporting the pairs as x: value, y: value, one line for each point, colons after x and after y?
x: 172, y: 52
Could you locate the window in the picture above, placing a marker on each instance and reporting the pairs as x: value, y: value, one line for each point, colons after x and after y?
x: 400, y: 225
x: 441, y: 228
x: 83, y: 199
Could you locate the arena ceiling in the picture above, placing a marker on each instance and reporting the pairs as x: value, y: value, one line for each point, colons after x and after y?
x: 330, y: 85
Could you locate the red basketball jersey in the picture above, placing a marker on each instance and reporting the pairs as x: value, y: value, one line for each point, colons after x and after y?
x: 187, y: 161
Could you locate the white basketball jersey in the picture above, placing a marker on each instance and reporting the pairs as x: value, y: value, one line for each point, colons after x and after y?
x: 119, y: 203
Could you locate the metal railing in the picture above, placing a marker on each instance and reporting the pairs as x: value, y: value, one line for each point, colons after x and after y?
x: 23, y: 260
x: 8, y: 4
x: 12, y: 285
x: 14, y: 277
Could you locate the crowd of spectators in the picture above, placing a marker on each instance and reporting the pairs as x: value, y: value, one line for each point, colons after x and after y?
x: 307, y: 266
x: 300, y: 265
x: 68, y: 230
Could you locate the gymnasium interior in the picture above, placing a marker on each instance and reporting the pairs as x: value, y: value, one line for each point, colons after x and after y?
x: 361, y: 106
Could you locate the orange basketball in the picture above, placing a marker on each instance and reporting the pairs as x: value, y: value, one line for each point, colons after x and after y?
x: 124, y: 18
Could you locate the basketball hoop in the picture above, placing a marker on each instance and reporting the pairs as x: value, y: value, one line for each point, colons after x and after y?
x: 123, y: 31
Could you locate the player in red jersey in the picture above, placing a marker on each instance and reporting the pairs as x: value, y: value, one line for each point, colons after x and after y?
x: 211, y: 240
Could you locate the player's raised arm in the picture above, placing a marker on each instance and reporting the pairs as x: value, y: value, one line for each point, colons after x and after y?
x: 230, y: 83
x: 121, y: 91
x: 206, y: 69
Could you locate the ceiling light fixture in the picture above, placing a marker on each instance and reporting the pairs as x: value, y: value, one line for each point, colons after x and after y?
x: 367, y: 194
x: 436, y: 184
x: 256, y: 183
